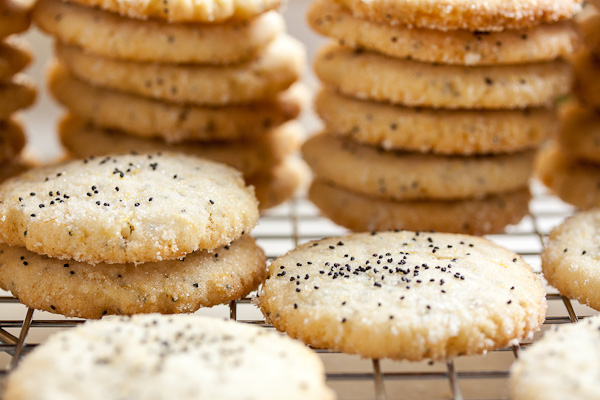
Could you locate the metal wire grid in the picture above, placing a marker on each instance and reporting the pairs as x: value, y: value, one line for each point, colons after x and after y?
x: 298, y: 222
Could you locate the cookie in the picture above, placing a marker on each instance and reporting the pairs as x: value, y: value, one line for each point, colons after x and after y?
x: 13, y: 167
x: 83, y: 140
x: 280, y: 183
x: 172, y: 122
x: 587, y: 84
x: 483, y: 216
x: 368, y: 75
x: 590, y: 29
x: 410, y: 176
x: 169, y: 357
x: 437, y: 131
x: 15, y: 55
x: 126, y: 208
x: 562, y: 365
x: 574, y: 182
x: 12, y: 140
x: 109, y: 35
x: 540, y: 43
x: 74, y: 289
x: 403, y: 295
x: 14, y: 17
x: 260, y: 79
x: 579, y: 134
x: 16, y: 94
x: 488, y: 15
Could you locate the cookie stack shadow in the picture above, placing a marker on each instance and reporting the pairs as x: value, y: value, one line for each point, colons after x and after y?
x: 432, y: 124
x: 220, y: 86
x: 17, y: 91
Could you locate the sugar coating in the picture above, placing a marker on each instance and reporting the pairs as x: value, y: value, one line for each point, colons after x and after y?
x: 15, y: 94
x: 258, y: 156
x: 540, y: 43
x: 404, y: 176
x: 587, y: 68
x: 110, y: 35
x: 571, y: 259
x: 481, y: 15
x: 14, y: 17
x: 75, y: 289
x: 275, y: 69
x: 403, y: 295
x: 126, y: 208
x: 362, y: 213
x: 564, y: 364
x: 15, y: 55
x: 12, y: 140
x: 156, y: 357
x: 427, y: 130
x: 172, y: 122
x: 281, y: 183
x: 369, y: 75
x: 579, y: 134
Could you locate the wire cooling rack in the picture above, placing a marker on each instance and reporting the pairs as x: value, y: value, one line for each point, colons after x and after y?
x: 472, y: 377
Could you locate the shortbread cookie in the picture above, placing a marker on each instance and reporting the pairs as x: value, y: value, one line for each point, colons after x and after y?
x: 14, y: 17
x: 83, y: 140
x: 126, y: 208
x: 280, y: 183
x: 541, y: 43
x: 570, y: 259
x: 404, y: 295
x: 15, y: 55
x: 12, y: 140
x: 408, y: 176
x: 261, y: 79
x: 471, y: 216
x: 562, y: 365
x: 16, y: 94
x: 109, y: 35
x: 579, y: 134
x: 587, y: 85
x: 74, y: 289
x: 169, y: 357
x: 438, y: 131
x: 13, y: 167
x: 368, y: 75
x: 574, y: 182
x: 590, y: 29
x: 171, y: 122
x: 487, y: 15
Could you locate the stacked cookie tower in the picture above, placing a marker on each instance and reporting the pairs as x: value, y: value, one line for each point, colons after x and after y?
x: 571, y: 166
x: 207, y: 79
x: 16, y: 90
x: 433, y: 109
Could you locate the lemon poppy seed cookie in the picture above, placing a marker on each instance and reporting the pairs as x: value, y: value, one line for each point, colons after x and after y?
x: 562, y: 365
x: 571, y: 259
x: 75, y: 289
x: 586, y: 65
x: 15, y: 55
x: 369, y: 75
x: 579, y: 134
x: 437, y: 131
x: 167, y: 357
x: 540, y: 43
x: 12, y: 140
x: 590, y: 29
x: 14, y: 17
x: 110, y: 35
x: 126, y: 208
x: 403, y: 295
x: 16, y: 94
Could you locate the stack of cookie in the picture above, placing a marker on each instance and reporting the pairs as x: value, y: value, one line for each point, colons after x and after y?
x: 570, y: 167
x: 207, y: 79
x: 433, y: 110
x: 16, y: 90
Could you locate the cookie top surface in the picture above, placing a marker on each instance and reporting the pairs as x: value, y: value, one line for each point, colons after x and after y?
x: 403, y: 295
x: 156, y: 357
x: 126, y: 208
x: 481, y: 15
x: 564, y: 364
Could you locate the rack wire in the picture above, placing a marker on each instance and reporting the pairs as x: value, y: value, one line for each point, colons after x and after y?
x: 473, y: 377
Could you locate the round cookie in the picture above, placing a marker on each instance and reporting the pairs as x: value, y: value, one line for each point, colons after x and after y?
x: 590, y: 29
x: 126, y: 208
x: 570, y: 260
x: 14, y: 17
x: 486, y: 15
x: 169, y: 357
x: 574, y: 182
x: 85, y: 140
x: 260, y: 79
x: 470, y: 216
x: 540, y: 43
x: 172, y: 122
x: 410, y: 176
x: 16, y: 94
x: 579, y: 134
x: 110, y: 35
x: 74, y: 289
x: 403, y: 295
x: 562, y: 365
x: 13, y: 167
x: 280, y: 183
x: 368, y: 75
x: 12, y: 140
x: 15, y: 55
x: 437, y: 131
x: 587, y: 85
